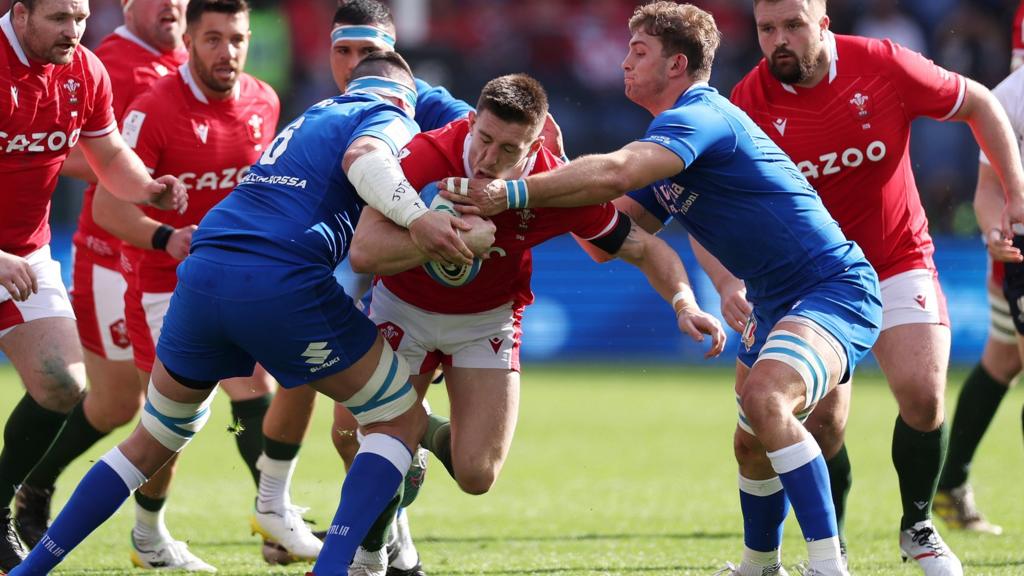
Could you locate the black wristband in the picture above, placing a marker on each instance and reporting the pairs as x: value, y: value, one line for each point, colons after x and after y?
x: 160, y: 237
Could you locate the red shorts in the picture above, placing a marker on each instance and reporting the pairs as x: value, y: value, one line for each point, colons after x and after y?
x: 97, y: 295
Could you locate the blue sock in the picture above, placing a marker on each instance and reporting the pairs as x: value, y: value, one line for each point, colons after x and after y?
x: 765, y: 506
x: 804, y: 475
x: 377, y: 470
x: 100, y: 493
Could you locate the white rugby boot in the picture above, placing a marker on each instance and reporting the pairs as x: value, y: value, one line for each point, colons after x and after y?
x: 922, y: 543
x: 288, y: 531
x: 168, y: 555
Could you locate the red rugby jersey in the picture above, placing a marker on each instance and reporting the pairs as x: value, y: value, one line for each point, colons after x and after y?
x: 850, y: 136
x: 133, y: 66
x: 208, y: 144
x: 44, y: 110
x: 505, y: 276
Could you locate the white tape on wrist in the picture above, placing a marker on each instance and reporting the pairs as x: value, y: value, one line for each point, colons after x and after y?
x: 681, y: 296
x: 378, y: 179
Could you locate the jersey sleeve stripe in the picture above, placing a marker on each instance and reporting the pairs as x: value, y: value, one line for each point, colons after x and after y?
x: 607, y: 229
x: 961, y: 94
x: 103, y: 132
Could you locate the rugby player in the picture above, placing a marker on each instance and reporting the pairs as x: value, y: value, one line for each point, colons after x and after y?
x: 54, y: 94
x: 474, y: 330
x: 816, y: 300
x: 147, y: 47
x: 207, y: 123
x: 259, y: 286
x: 841, y: 108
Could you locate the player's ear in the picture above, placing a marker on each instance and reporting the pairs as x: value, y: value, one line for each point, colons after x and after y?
x: 677, y: 66
x: 472, y: 119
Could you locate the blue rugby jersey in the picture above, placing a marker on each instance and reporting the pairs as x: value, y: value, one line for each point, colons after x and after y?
x: 296, y: 206
x: 743, y: 199
x: 436, y: 107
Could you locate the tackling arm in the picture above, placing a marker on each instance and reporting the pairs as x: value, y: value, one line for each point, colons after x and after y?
x: 382, y: 247
x: 666, y: 274
x: 731, y: 290
x: 129, y: 223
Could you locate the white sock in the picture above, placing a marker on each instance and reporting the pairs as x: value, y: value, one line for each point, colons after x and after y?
x: 825, y: 556
x: 149, y: 528
x: 275, y: 482
x: 407, y: 556
x: 754, y: 562
x: 365, y: 557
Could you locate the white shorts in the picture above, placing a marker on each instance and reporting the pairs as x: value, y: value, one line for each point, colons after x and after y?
x: 97, y: 294
x: 488, y: 339
x: 50, y: 302
x: 913, y: 297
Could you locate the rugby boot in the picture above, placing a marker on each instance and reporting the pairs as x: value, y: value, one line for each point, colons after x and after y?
x: 400, y: 544
x: 32, y: 512
x: 286, y: 537
x: 923, y: 543
x: 11, y: 550
x: 168, y: 555
x: 957, y: 509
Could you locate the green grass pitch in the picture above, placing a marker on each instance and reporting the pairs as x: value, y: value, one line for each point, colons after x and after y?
x: 616, y: 469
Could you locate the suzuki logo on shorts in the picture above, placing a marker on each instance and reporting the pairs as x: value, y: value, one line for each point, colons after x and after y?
x: 316, y: 353
x: 834, y: 162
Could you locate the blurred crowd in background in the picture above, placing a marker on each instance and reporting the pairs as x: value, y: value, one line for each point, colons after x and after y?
x: 575, y: 48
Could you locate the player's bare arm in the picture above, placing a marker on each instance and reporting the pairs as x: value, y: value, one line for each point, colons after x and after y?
x: 17, y: 277
x: 731, y: 290
x: 382, y: 247
x: 989, y: 208
x: 125, y: 176
x: 666, y: 274
x: 994, y: 133
x: 76, y: 166
x: 129, y: 223
x: 377, y: 176
x: 587, y: 180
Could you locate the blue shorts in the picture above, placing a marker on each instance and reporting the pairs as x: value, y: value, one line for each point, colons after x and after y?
x: 298, y: 323
x: 848, y: 306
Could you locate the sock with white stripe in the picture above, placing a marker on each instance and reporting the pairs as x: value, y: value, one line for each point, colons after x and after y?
x: 371, y: 482
x: 100, y: 493
x: 804, y: 476
x: 765, y: 506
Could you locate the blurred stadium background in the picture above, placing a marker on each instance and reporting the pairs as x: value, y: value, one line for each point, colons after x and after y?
x: 574, y: 47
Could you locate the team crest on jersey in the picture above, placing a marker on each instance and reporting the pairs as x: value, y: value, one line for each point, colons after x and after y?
x: 119, y: 334
x: 525, y: 215
x: 71, y: 87
x: 255, y: 124
x: 859, y: 105
x: 202, y: 129
x: 392, y: 333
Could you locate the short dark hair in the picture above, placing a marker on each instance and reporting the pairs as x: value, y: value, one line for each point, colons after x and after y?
x: 385, y: 63
x: 196, y: 8
x: 363, y: 12
x: 515, y: 98
x: 682, y: 29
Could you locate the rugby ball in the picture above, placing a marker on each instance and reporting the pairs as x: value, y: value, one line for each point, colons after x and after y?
x: 456, y: 274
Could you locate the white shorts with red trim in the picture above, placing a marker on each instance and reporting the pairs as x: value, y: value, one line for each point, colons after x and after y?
x: 97, y: 294
x: 913, y: 297
x: 488, y: 339
x: 50, y: 302
x: 145, y: 313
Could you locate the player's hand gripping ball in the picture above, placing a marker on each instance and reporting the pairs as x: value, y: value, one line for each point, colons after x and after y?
x: 447, y: 274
